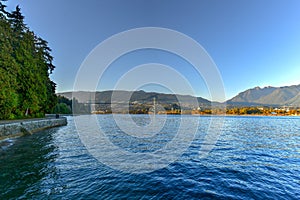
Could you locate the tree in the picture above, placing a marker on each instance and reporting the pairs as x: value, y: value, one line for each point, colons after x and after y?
x: 42, y: 46
x: 17, y: 20
x: 62, y: 108
x: 25, y: 66
x: 8, y: 71
x: 2, y: 8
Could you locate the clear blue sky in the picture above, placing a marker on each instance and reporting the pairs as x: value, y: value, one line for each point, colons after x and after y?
x: 252, y: 42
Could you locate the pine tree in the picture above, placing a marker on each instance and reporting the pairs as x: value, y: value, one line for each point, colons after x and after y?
x: 2, y: 8
x: 25, y: 66
x: 8, y: 71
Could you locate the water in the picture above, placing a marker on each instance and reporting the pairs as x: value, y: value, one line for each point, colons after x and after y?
x: 254, y: 158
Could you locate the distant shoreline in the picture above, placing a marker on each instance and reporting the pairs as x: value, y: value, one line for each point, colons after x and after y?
x: 225, y: 115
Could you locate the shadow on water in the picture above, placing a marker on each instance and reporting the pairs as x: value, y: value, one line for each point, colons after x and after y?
x: 24, y: 163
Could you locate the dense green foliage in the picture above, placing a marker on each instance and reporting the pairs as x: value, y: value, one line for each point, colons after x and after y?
x: 25, y: 65
x: 64, y: 106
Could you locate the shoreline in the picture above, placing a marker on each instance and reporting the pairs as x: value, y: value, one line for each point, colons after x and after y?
x: 17, y: 128
x: 246, y: 115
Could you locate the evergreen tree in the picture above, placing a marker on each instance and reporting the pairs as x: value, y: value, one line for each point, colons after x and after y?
x: 25, y: 66
x: 2, y: 8
x: 17, y: 20
x: 8, y: 71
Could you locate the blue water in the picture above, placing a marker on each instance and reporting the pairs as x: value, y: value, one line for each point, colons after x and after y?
x: 254, y: 158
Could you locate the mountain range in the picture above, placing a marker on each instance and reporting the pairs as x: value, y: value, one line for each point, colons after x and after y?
x: 136, y: 97
x: 267, y: 96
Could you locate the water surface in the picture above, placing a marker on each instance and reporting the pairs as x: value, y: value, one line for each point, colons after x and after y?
x: 254, y: 158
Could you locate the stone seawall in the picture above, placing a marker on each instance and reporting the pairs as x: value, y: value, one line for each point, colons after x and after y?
x: 25, y: 127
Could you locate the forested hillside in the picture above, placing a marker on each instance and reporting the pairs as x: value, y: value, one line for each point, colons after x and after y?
x: 25, y: 65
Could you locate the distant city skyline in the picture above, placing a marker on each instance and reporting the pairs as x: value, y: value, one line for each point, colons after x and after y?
x: 253, y: 43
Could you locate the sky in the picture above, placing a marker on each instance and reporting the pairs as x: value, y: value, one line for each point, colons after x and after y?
x: 252, y: 42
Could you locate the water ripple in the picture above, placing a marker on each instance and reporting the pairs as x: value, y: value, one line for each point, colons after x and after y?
x: 254, y: 158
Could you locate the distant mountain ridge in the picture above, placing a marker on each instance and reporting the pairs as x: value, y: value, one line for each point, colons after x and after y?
x: 267, y: 96
x: 279, y: 96
x: 136, y: 96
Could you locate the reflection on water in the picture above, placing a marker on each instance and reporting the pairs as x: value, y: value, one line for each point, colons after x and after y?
x: 254, y: 158
x: 26, y: 162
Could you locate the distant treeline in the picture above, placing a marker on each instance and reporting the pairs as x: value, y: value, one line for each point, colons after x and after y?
x: 25, y: 64
x: 63, y: 106
x: 266, y: 111
x: 67, y: 106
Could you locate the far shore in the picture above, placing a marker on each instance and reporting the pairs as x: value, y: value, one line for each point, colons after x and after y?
x: 246, y: 115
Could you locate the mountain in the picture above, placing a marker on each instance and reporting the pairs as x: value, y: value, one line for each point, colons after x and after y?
x: 141, y: 96
x: 272, y: 96
x: 267, y: 96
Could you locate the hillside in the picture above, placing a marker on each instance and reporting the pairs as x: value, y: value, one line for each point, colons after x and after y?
x: 137, y: 96
x: 279, y: 96
x: 267, y: 96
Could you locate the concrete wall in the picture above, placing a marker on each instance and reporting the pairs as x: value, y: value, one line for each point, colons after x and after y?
x: 19, y: 128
